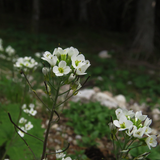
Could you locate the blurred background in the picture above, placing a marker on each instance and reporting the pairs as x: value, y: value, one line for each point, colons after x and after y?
x: 123, y: 26
x: 120, y: 38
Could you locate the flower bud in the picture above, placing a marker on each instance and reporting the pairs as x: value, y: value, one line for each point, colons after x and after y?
x: 45, y: 70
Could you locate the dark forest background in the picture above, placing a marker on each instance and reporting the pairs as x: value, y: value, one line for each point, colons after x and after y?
x: 138, y: 20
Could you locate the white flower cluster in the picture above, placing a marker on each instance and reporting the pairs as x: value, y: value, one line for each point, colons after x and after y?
x: 66, y: 61
x: 24, y: 126
x: 25, y: 63
x: 61, y: 155
x: 8, y: 53
x: 135, y: 125
x: 31, y: 109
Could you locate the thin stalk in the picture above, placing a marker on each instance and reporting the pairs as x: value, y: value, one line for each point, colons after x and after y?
x: 49, y: 124
x: 64, y: 92
x: 118, y: 142
x: 35, y: 91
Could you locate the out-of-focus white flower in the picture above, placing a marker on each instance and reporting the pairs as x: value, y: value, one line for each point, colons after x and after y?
x: 51, y: 59
x: 25, y: 63
x: 28, y: 126
x: 1, y: 47
x: 21, y: 133
x: 45, y: 70
x: 2, y: 56
x: 151, y: 141
x: 61, y: 69
x: 22, y: 120
x: 60, y: 155
x: 38, y: 55
x: 24, y: 106
x: 123, y: 123
x: 26, y: 110
x: 10, y: 51
x: 31, y: 105
x: 32, y: 112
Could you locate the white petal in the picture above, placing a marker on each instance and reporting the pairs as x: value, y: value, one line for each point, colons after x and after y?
x: 62, y: 64
x: 116, y: 123
x: 55, y: 69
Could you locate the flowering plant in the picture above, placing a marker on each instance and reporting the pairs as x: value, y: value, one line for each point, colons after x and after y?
x: 135, y: 127
x: 65, y: 67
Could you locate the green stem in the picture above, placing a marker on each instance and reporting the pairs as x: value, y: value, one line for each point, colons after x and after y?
x: 49, y: 124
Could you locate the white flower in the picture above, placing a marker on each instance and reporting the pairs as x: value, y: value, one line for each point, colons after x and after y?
x: 45, y: 70
x: 2, y: 55
x: 61, y: 69
x: 139, y: 116
x: 28, y: 126
x: 22, y: 120
x: 120, y: 112
x: 20, y: 132
x: 147, y: 122
x: 59, y: 51
x: 123, y: 123
x: 129, y: 132
x: 31, y: 105
x: 26, y: 62
x: 147, y: 130
x: 24, y: 106
x: 32, y: 112
x: 10, y: 51
x: 72, y: 51
x: 78, y: 61
x: 51, y: 59
x: 138, y: 132
x: 151, y: 141
x: 67, y: 158
x: 26, y: 110
x: 60, y: 155
x: 38, y: 55
x: 82, y: 68
x: 128, y: 114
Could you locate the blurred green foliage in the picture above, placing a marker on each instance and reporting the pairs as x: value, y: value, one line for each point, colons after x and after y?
x: 11, y: 143
x: 89, y: 120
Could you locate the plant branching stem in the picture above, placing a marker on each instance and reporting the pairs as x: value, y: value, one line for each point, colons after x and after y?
x: 49, y: 124
x: 35, y: 91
